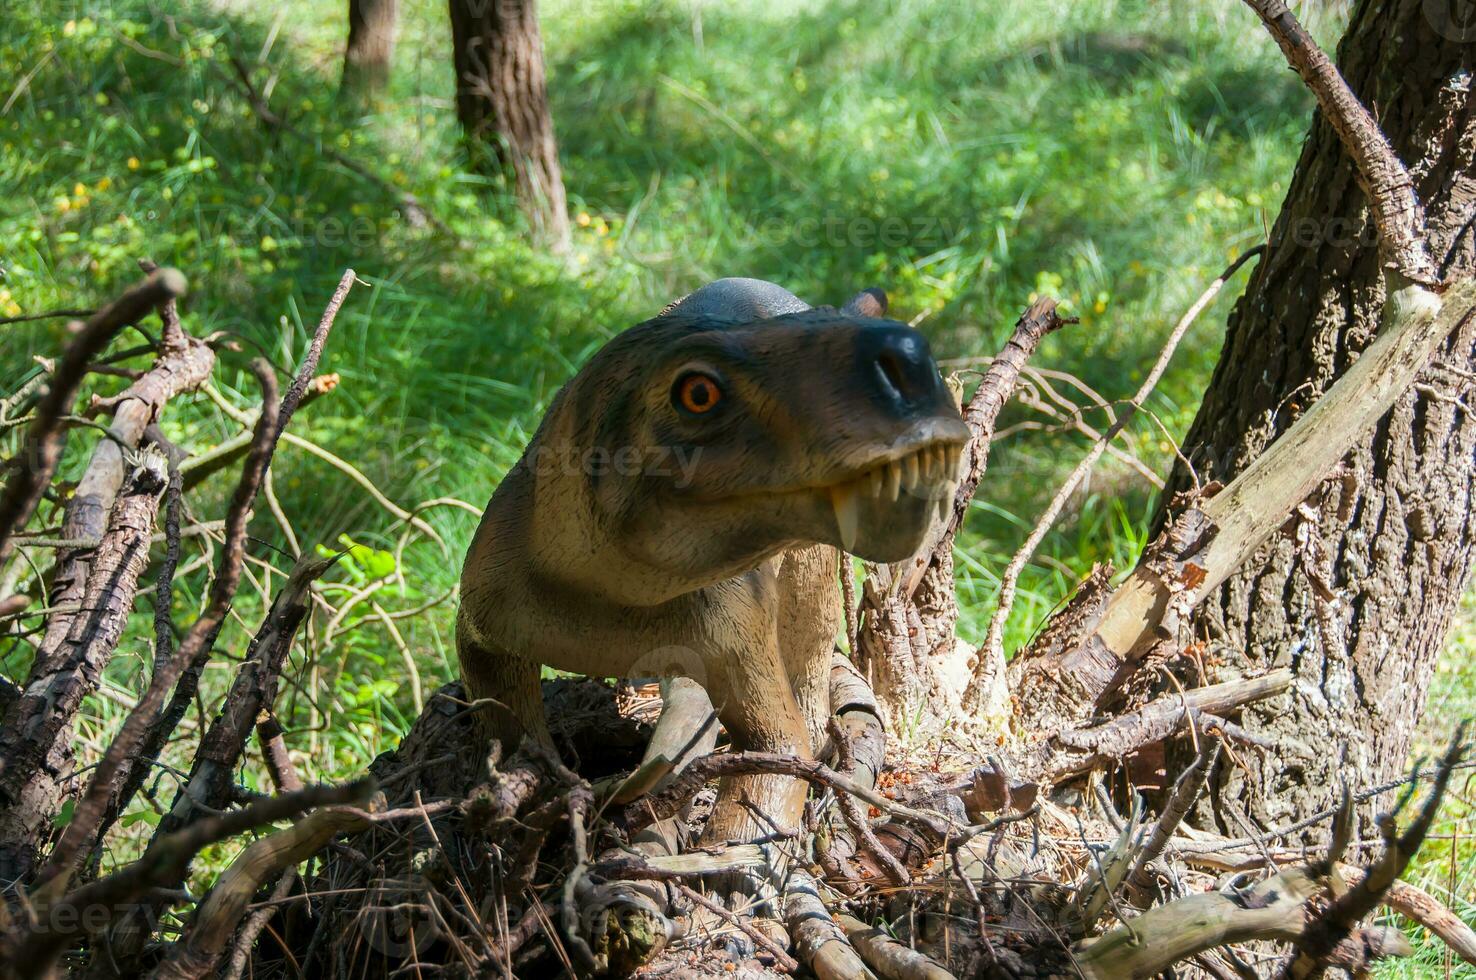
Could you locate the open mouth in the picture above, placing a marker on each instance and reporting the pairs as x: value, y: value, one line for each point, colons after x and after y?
x: 928, y: 473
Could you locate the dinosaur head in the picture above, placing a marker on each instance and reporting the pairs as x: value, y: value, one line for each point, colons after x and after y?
x: 741, y: 422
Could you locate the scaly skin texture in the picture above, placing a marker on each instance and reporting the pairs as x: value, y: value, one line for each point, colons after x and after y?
x: 639, y: 538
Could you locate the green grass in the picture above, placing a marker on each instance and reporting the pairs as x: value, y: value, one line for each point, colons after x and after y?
x: 1446, y: 865
x: 965, y: 157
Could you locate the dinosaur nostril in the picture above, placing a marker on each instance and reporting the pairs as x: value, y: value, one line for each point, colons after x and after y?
x: 893, y: 371
x: 893, y: 362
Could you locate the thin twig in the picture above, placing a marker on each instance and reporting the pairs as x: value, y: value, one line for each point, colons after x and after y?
x: 991, y: 655
x: 49, y: 315
x: 782, y: 959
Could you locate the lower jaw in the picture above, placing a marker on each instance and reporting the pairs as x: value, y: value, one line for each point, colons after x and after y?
x: 861, y: 517
x: 888, y: 531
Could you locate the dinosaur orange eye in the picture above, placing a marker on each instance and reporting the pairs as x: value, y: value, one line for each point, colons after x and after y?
x: 698, y: 393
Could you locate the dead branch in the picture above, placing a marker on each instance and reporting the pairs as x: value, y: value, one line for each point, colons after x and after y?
x: 989, y: 399
x: 274, y: 753
x: 1396, y: 210
x: 48, y: 315
x: 43, y: 445
x: 198, y: 642
x: 1413, y: 903
x: 254, y: 687
x: 182, y: 365
x: 782, y: 959
x: 990, y: 661
x: 108, y: 778
x: 35, y: 743
x: 1168, y: 934
x: 1335, y: 925
x: 55, y: 923
x: 1277, y: 909
x: 889, y: 958
x: 205, y: 941
x: 1421, y: 907
x: 1105, y: 875
x: 891, y: 868
x: 818, y: 940
x: 193, y: 652
x: 857, y: 714
x: 1186, y: 790
x: 244, y: 943
x: 1076, y: 750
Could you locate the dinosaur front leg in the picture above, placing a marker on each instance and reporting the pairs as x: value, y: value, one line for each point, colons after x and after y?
x: 775, y: 696
x: 757, y: 706
x: 507, y: 688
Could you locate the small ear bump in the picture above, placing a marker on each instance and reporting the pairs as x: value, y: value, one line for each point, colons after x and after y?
x: 868, y: 302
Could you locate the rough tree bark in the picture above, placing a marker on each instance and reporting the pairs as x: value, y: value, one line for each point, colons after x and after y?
x: 502, y: 102
x: 373, y: 25
x: 1355, y: 598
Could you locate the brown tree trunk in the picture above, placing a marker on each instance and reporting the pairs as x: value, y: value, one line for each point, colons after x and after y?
x: 1358, y: 602
x: 502, y: 102
x: 373, y: 25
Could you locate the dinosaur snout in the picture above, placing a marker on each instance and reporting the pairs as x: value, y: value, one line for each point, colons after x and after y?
x: 895, y: 363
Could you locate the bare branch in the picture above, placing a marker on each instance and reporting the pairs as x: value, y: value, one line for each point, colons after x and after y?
x: 131, y: 738
x: 1186, y: 791
x: 991, y: 657
x: 1396, y: 210
x: 1341, y: 918
x: 207, y: 936
x: 44, y: 440
x: 38, y: 731
x: 58, y: 922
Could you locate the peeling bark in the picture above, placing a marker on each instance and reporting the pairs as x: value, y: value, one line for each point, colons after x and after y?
x: 36, y: 743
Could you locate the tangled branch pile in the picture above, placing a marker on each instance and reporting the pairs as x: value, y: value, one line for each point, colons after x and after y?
x: 979, y: 850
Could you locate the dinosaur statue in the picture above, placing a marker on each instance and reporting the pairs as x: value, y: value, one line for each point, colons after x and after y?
x: 680, y: 508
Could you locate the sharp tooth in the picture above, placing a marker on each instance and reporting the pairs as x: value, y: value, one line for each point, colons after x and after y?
x: 894, y: 480
x: 945, y: 503
x: 935, y: 463
x: 910, y: 463
x: 847, y: 512
x: 874, y: 481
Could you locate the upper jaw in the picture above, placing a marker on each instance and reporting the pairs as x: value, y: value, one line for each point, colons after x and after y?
x: 934, y: 444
